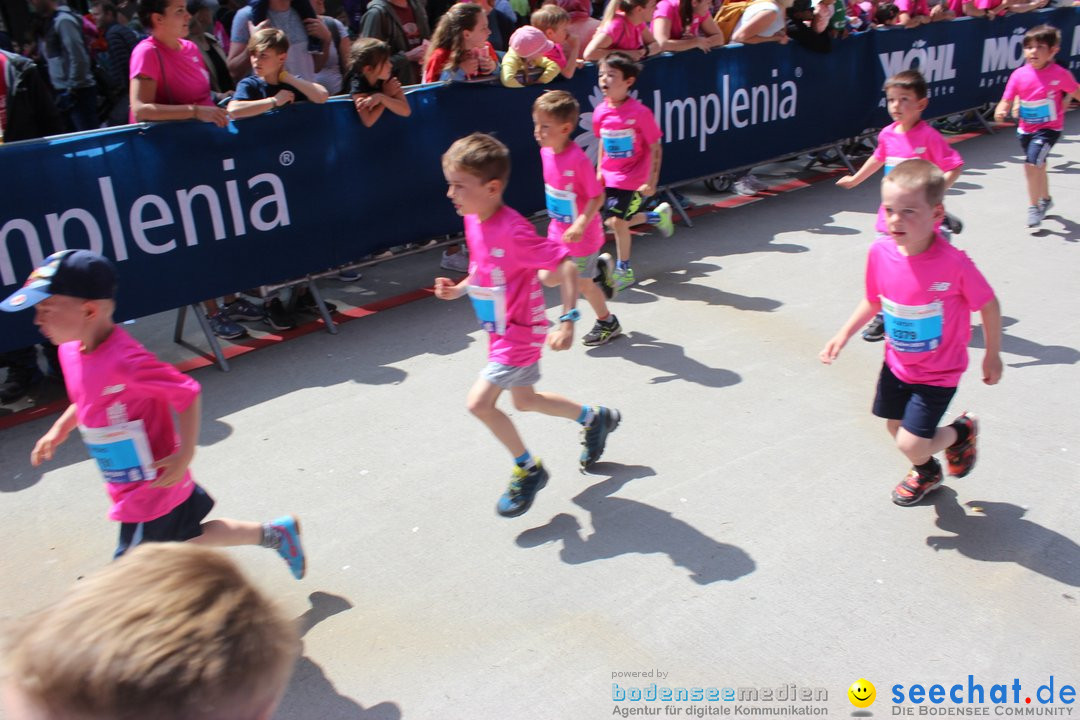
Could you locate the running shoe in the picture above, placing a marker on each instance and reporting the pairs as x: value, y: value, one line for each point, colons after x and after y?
x: 277, y: 317
x: 604, y: 331
x: 241, y: 310
x: 524, y: 484
x: 456, y: 262
x: 875, y: 330
x: 623, y: 279
x: 953, y: 223
x: 290, y: 549
x: 605, y: 265
x: 349, y: 275
x: 225, y: 328
x: 916, y: 486
x: 1035, y: 216
x: 594, y: 435
x: 306, y: 303
x: 1044, y: 207
x: 663, y: 221
x: 960, y: 458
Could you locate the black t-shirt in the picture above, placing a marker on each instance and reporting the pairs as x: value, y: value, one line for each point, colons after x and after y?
x: 254, y: 87
x: 358, y: 85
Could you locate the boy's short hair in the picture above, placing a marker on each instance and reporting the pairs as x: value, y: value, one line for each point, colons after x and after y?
x: 368, y: 52
x: 886, y: 12
x: 623, y: 63
x: 912, y: 80
x: 481, y: 155
x: 917, y: 173
x: 560, y: 105
x: 268, y: 39
x: 548, y: 17
x: 1047, y: 35
x: 170, y: 631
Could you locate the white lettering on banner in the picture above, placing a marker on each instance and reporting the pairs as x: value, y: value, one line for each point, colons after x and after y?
x: 150, y: 212
x: 706, y: 115
x: 935, y: 62
x: 1076, y: 43
x: 1003, y: 53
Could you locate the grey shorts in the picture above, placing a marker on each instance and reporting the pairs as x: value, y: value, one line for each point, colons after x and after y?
x: 586, y: 266
x: 508, y: 376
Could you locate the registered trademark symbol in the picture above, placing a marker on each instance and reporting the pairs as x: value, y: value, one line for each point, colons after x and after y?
x: 798, y: 72
x: 286, y: 158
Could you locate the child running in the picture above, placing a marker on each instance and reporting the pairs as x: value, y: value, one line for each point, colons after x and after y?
x: 928, y: 290
x: 908, y: 137
x: 574, y: 196
x: 1041, y: 85
x: 122, y: 399
x: 629, y: 160
x: 505, y: 254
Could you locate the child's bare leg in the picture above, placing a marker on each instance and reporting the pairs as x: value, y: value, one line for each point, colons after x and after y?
x: 622, y: 237
x: 481, y: 403
x: 225, y: 532
x: 1037, y: 183
x: 527, y: 399
x: 638, y: 219
x: 548, y: 278
x: 594, y: 296
x: 919, y: 450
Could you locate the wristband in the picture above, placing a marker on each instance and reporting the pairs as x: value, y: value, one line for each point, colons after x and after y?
x: 572, y: 316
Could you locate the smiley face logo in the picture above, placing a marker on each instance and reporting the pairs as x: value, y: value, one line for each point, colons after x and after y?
x: 862, y: 693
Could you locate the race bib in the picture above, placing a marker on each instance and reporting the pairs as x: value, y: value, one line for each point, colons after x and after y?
x: 490, y: 307
x: 1038, y: 111
x: 122, y: 451
x: 891, y: 162
x: 913, y: 328
x: 618, y: 143
x: 561, y: 204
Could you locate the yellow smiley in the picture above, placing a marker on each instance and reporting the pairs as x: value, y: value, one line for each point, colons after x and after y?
x: 862, y: 693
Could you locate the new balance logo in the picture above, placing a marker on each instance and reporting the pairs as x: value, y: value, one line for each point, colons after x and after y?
x: 113, y: 389
x: 939, y: 287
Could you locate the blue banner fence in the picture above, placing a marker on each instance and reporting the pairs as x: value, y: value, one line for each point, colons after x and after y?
x: 191, y: 211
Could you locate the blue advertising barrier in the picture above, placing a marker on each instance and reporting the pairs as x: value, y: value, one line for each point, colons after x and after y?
x: 191, y: 211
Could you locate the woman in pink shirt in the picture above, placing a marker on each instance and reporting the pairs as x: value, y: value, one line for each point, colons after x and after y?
x: 685, y: 25
x: 626, y: 29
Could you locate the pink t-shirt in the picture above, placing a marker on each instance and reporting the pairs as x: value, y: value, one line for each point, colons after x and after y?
x: 180, y: 76
x: 627, y: 134
x: 504, y: 254
x: 1042, y: 96
x: 670, y: 9
x: 927, y: 300
x: 570, y: 182
x: 624, y: 35
x: 557, y: 54
x: 121, y: 382
x: 921, y: 141
x: 913, y: 7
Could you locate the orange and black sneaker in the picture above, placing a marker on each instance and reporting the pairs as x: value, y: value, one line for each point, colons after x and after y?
x: 916, y: 486
x: 960, y: 458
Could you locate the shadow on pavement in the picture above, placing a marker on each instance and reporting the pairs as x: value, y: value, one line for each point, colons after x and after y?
x: 669, y: 358
x: 1043, y: 354
x: 622, y: 526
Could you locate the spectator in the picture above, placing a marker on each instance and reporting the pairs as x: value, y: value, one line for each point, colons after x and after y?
x: 200, y: 32
x: 991, y: 9
x: 763, y: 21
x: 120, y: 40
x: 372, y: 85
x: 27, y: 109
x: 332, y: 76
x: 459, y: 49
x: 403, y: 25
x: 685, y: 25
x: 554, y: 22
x: 810, y: 26
x: 69, y: 65
x: 625, y: 28
x: 270, y: 86
x: 886, y: 14
x: 914, y: 13
x: 526, y: 62
x: 582, y: 24
x: 171, y: 631
x: 281, y: 14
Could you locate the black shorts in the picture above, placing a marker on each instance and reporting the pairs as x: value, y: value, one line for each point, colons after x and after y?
x: 1037, y: 145
x: 622, y: 204
x: 182, y: 523
x: 918, y: 407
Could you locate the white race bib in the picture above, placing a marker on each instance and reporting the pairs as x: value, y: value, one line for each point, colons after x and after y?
x: 1038, y: 111
x: 913, y: 328
x: 561, y: 204
x: 489, y: 303
x: 618, y: 143
x: 122, y: 451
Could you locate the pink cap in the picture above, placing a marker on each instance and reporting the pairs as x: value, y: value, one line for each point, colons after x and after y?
x: 530, y: 42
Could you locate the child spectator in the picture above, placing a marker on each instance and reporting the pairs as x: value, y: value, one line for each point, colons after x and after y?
x: 1041, y: 86
x: 574, y: 197
x: 284, y: 16
x: 928, y: 290
x: 913, y: 13
x: 625, y: 28
x: 582, y: 24
x: 886, y: 14
x: 526, y: 62
x: 908, y: 137
x: 554, y: 22
x: 629, y: 160
x: 270, y: 85
x: 991, y: 9
x: 371, y: 84
x: 170, y: 632
x: 509, y: 301
x: 459, y: 49
x: 122, y: 401
x: 762, y: 21
x: 686, y: 25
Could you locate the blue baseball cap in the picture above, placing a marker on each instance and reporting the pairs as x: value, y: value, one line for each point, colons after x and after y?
x: 76, y: 273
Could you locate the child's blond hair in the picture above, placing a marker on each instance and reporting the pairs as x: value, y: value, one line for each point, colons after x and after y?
x: 560, y: 105
x: 918, y: 174
x: 549, y: 17
x: 480, y: 155
x: 268, y: 39
x: 170, y: 631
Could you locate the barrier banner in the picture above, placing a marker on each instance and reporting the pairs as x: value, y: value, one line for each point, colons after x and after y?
x: 190, y: 211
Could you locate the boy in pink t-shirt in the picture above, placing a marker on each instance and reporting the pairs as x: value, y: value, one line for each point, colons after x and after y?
x: 574, y: 197
x: 122, y: 400
x: 927, y: 289
x: 909, y: 137
x: 1041, y: 85
x: 629, y: 160
x: 505, y: 254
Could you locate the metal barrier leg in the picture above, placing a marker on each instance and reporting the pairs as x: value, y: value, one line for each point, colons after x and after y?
x: 674, y: 202
x: 181, y: 316
x: 986, y: 125
x: 845, y: 158
x: 331, y: 327
x: 211, y: 339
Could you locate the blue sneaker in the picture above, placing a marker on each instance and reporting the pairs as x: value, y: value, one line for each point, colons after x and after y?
x: 524, y: 484
x: 594, y: 435
x: 290, y: 549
